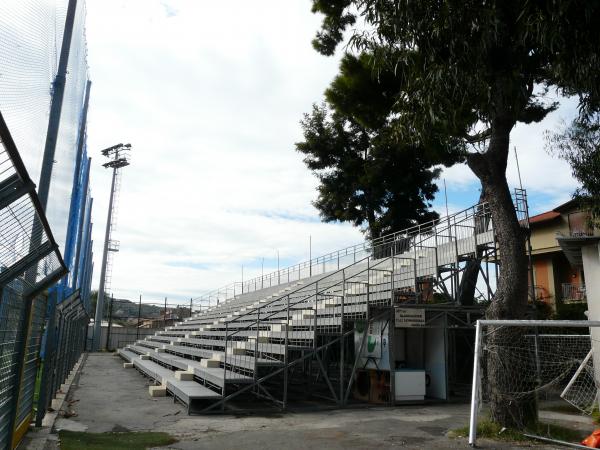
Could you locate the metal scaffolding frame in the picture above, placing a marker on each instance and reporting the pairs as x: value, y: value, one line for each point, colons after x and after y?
x: 292, y: 341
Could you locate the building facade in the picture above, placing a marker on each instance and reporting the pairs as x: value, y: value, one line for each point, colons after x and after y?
x: 555, y: 280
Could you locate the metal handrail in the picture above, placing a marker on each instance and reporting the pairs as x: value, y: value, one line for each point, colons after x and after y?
x: 447, y: 223
x: 287, y: 307
x: 315, y: 294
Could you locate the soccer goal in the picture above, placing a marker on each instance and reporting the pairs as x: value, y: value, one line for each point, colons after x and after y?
x: 533, y: 374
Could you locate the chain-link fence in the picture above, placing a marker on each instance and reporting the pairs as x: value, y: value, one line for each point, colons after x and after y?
x: 44, y: 90
x: 29, y: 263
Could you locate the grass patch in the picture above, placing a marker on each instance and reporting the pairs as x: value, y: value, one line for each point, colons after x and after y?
x: 76, y: 440
x: 486, y: 429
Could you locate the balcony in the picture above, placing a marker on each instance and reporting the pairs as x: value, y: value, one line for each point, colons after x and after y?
x: 573, y: 293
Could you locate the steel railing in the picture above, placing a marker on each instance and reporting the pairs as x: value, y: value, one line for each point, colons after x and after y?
x: 573, y: 293
x: 400, y: 241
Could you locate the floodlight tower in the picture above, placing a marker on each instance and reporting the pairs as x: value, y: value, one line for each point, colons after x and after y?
x: 119, y: 156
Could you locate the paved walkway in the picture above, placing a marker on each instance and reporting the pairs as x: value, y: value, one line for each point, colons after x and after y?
x: 110, y: 398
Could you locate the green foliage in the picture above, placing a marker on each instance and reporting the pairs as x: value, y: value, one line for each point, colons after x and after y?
x: 596, y: 415
x: 480, y: 56
x: 571, y: 311
x: 334, y: 23
x: 543, y: 310
x: 76, y: 440
x: 366, y: 176
x: 473, y: 69
x: 93, y: 300
x: 579, y: 145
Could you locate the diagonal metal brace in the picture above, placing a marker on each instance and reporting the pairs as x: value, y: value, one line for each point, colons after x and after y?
x: 26, y: 262
x: 13, y: 189
x: 46, y: 282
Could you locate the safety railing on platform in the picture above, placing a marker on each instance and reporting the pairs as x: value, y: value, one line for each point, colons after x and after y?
x: 432, y: 234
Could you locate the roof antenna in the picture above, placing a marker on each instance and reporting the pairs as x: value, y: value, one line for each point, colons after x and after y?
x: 446, y: 197
x: 518, y: 169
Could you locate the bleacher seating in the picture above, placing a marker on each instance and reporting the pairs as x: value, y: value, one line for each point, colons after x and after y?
x: 231, y: 345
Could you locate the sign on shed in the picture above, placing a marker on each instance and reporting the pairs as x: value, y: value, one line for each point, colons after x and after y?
x: 409, y: 317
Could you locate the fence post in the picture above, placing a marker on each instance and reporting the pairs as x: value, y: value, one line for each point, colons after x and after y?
x: 21, y: 350
x: 285, y: 356
x: 165, y: 315
x: 110, y: 309
x: 48, y: 360
x: 256, y: 344
x: 342, y: 340
x: 223, y: 389
x: 191, y: 304
x: 137, y: 329
x: 475, y: 387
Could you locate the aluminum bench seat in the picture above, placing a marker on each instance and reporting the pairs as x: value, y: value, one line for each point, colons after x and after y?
x: 242, y: 361
x: 215, y: 375
x: 153, y: 370
x: 187, y: 391
x: 139, y: 349
x: 209, y: 374
x: 127, y: 355
x: 192, y: 351
x: 159, y: 338
x: 149, y: 344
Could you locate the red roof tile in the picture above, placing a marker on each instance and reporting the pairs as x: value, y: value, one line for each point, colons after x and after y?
x: 544, y: 217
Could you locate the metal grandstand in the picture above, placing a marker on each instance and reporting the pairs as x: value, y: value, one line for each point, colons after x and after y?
x: 296, y: 337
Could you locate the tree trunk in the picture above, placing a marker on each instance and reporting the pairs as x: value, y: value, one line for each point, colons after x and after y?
x: 510, y: 300
x: 470, y: 274
x: 468, y: 282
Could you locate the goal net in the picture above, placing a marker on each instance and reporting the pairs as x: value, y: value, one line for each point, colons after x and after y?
x: 535, y: 375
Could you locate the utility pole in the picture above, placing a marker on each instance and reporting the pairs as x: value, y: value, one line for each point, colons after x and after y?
x: 119, y: 155
x: 58, y: 92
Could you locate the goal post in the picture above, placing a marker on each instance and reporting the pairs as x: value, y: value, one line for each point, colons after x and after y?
x: 547, y: 365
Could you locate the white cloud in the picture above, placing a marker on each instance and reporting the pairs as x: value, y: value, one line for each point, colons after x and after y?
x: 210, y: 94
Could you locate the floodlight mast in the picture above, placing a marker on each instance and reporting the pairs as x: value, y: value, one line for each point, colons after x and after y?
x: 119, y: 158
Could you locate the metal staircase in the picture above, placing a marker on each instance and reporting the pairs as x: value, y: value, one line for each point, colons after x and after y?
x: 294, y: 336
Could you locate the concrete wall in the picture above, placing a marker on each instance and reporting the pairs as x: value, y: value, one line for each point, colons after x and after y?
x: 591, y: 265
x: 543, y: 236
x: 119, y: 336
x: 543, y: 276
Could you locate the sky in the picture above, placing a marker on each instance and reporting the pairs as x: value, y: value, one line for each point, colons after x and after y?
x: 210, y: 95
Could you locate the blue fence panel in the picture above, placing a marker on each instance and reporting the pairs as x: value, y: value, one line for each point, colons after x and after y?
x: 61, y: 187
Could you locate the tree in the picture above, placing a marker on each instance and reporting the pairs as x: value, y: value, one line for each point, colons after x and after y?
x: 366, y: 177
x: 492, y: 62
x: 93, y: 300
x: 579, y: 145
